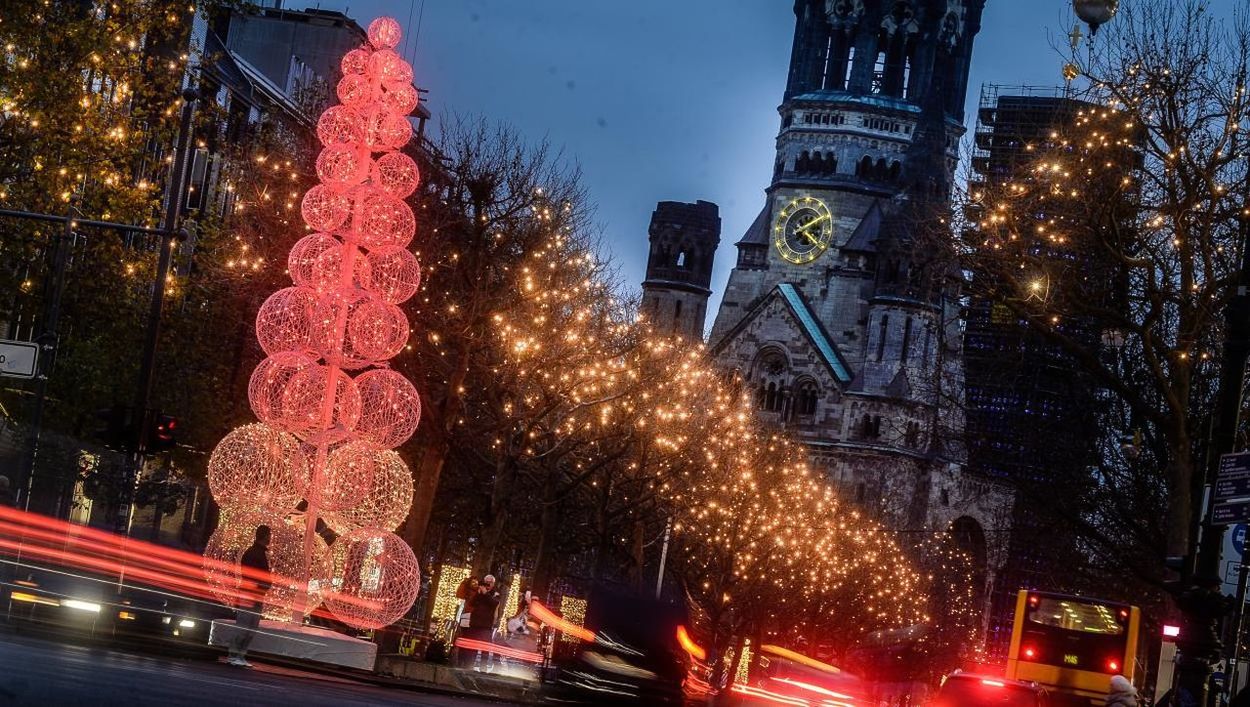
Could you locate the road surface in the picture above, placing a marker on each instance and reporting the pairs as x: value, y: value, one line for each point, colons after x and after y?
x: 47, y: 672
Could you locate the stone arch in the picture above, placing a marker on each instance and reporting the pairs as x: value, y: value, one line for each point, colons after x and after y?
x: 864, y: 168
x: 969, y: 537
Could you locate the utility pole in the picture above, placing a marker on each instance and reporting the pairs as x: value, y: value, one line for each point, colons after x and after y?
x: 1200, y: 600
x: 48, y: 338
x: 169, y: 233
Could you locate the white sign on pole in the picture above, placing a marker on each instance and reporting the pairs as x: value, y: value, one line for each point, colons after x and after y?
x: 18, y: 359
x: 1232, y: 557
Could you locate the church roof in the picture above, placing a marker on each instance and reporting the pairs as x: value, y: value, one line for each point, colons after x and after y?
x: 757, y: 234
x: 865, y: 236
x: 816, y: 333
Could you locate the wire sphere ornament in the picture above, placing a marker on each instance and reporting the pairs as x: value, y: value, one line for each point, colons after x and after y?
x: 385, y: 505
x: 321, y: 405
x: 269, y: 382
x: 382, y: 220
x: 341, y: 166
x: 325, y: 209
x: 385, y: 130
x: 291, y: 591
x: 347, y: 477
x: 396, y: 174
x: 393, y: 274
x: 355, y: 62
x: 376, y: 578
x: 340, y: 125
x: 316, y: 262
x: 332, y: 337
x: 320, y: 452
x: 257, y: 467
x: 384, y: 33
x: 358, y: 90
x: 377, y: 330
x: 390, y: 68
x: 233, y: 535
x: 390, y: 408
x: 285, y: 321
x: 401, y: 98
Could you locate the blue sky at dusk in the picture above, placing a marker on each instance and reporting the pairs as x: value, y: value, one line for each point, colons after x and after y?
x: 673, y: 100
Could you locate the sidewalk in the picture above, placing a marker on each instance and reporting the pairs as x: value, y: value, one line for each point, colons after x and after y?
x: 500, y: 685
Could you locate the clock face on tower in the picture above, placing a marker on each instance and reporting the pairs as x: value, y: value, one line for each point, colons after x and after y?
x: 803, y: 230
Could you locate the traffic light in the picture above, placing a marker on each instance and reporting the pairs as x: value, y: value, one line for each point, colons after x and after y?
x: 163, y: 433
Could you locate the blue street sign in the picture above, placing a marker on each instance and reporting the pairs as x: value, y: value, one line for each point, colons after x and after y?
x: 1239, y: 538
x: 1231, y: 498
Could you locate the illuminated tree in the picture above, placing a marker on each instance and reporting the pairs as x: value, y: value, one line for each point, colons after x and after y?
x: 1119, y: 244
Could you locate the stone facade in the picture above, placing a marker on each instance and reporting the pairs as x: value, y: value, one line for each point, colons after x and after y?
x: 683, y: 240
x: 856, y: 346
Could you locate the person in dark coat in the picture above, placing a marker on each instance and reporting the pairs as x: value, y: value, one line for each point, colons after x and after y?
x: 482, y: 609
x: 247, y: 616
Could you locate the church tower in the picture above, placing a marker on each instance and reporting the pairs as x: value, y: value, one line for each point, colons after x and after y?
x: 846, y: 333
x: 683, y: 241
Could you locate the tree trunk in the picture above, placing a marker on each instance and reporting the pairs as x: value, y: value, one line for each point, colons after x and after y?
x: 544, y: 555
x: 1180, y: 510
x: 492, y: 534
x: 425, y: 487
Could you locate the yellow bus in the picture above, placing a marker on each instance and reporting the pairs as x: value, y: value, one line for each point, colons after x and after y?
x: 1073, y: 645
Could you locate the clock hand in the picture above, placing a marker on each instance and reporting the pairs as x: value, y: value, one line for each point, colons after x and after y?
x: 807, y: 226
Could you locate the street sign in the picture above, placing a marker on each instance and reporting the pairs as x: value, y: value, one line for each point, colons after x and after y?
x: 18, y: 359
x: 1231, y: 499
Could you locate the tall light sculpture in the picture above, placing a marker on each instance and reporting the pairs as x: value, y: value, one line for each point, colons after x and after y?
x: 330, y: 409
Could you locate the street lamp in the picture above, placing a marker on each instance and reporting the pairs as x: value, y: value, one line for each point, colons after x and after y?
x: 1095, y: 13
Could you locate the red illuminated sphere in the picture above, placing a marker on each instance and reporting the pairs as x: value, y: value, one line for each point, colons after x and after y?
x: 341, y: 166
x: 386, y: 130
x: 269, y: 381
x: 284, y: 322
x: 384, y: 33
x: 332, y: 336
x: 340, y: 125
x: 234, y: 534
x: 377, y: 577
x: 393, y: 274
x: 293, y: 591
x: 325, y: 209
x: 321, y: 405
x: 356, y: 61
x: 390, y: 408
x: 377, y: 330
x: 384, y: 221
x: 396, y: 174
x: 390, y: 68
x: 385, y: 505
x: 316, y: 262
x: 401, y: 98
x: 258, y: 467
x: 357, y: 91
x: 346, y: 479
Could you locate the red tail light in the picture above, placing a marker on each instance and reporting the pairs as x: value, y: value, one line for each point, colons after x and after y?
x: 1113, y: 666
x: 1028, y: 653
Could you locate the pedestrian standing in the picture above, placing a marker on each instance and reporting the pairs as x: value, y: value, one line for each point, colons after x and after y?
x: 247, y: 616
x: 1122, y: 693
x: 482, y: 613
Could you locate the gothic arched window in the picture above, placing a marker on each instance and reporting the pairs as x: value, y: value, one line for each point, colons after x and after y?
x: 806, y: 398
x: 864, y: 168
x: 772, y: 371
